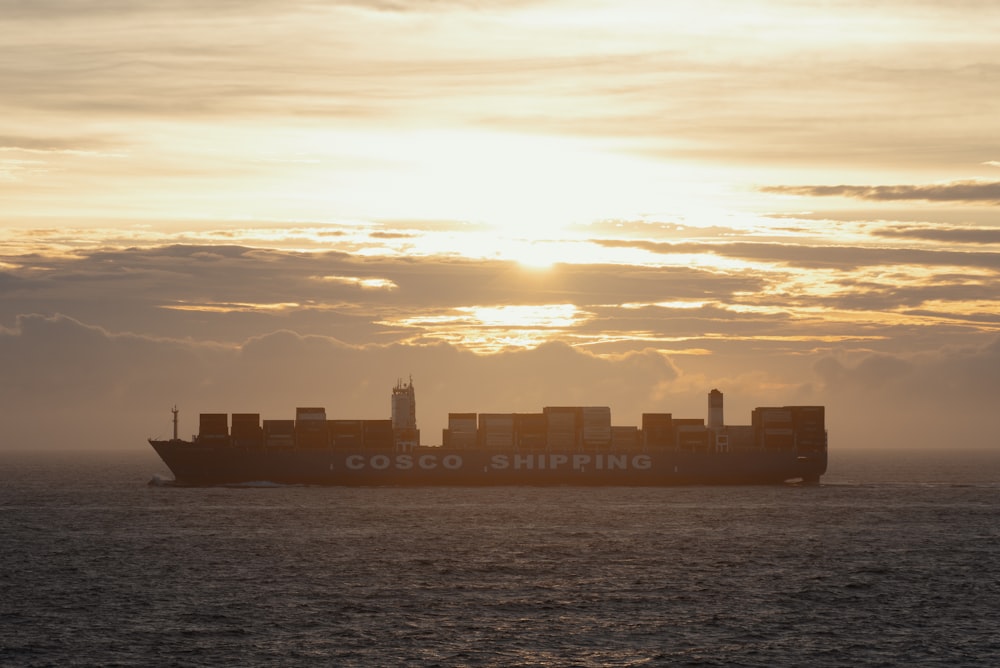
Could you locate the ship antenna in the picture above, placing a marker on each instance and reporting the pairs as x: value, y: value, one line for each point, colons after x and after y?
x: 175, y: 411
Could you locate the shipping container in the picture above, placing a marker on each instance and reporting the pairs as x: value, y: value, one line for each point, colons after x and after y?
x: 496, y: 430
x: 246, y: 430
x: 213, y: 424
x: 693, y: 437
x: 658, y: 430
x: 530, y: 422
x: 808, y: 419
x: 307, y: 438
x: 462, y: 440
x: 741, y: 437
x: 462, y: 430
x: 775, y: 416
x: 811, y: 443
x: 378, y: 434
x: 310, y: 420
x: 625, y: 438
x: 246, y: 420
x: 596, y: 426
x: 530, y: 430
x: 462, y: 421
x: 562, y: 427
x: 279, y: 433
x: 776, y: 438
x: 346, y: 434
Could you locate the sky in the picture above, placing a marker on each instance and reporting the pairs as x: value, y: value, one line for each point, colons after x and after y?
x: 252, y: 206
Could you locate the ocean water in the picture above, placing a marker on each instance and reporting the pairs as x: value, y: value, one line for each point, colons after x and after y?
x: 893, y: 560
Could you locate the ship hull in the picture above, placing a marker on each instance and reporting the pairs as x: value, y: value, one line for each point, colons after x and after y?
x: 203, y: 465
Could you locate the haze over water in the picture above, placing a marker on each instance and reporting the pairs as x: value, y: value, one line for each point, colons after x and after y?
x: 100, y: 568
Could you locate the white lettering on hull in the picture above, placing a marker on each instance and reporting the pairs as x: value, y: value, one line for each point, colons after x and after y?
x: 503, y: 462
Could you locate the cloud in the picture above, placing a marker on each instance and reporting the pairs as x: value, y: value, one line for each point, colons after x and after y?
x: 39, y: 145
x: 940, y: 399
x: 753, y: 97
x: 50, y: 9
x: 42, y: 9
x: 818, y: 256
x: 969, y: 235
x: 365, y: 300
x: 957, y: 191
x: 111, y: 390
x: 949, y: 375
x: 792, y: 299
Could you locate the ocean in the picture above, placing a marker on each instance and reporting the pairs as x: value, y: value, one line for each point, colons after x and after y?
x: 893, y: 560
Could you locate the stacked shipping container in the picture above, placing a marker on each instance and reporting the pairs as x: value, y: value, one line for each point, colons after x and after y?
x: 809, y: 423
x: 378, y: 434
x: 213, y: 428
x: 496, y: 431
x: 787, y: 427
x: 247, y: 432
x: 555, y: 428
x: 561, y: 427
x: 658, y: 430
x: 279, y: 433
x: 596, y: 426
x: 531, y: 430
x: 692, y: 434
x: 310, y: 428
x: 346, y: 434
x: 461, y: 431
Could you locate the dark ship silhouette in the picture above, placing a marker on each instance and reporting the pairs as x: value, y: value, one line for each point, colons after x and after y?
x: 561, y: 445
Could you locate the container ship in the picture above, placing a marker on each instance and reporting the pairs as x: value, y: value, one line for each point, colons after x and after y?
x: 561, y: 445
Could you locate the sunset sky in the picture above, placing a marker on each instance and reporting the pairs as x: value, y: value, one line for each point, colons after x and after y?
x: 257, y: 205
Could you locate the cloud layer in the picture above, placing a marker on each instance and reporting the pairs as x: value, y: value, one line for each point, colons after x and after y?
x: 245, y: 206
x: 111, y: 391
x: 115, y: 334
x: 971, y: 191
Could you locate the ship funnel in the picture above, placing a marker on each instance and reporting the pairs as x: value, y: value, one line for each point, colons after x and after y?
x: 715, y: 417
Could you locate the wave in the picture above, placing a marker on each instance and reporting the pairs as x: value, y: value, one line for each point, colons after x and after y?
x: 911, y: 484
x: 259, y: 484
x: 159, y: 481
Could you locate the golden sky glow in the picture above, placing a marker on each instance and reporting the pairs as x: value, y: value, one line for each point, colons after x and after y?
x: 779, y: 194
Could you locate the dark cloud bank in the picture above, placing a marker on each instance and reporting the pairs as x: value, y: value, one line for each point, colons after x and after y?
x: 959, y: 191
x: 71, y: 385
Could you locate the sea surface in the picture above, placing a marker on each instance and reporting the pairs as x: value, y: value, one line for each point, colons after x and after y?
x: 893, y: 560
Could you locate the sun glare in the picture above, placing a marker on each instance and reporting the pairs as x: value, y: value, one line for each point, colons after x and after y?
x: 493, y: 328
x: 523, y: 186
x: 533, y: 316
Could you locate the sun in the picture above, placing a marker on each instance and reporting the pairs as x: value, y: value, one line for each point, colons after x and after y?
x: 523, y: 186
x: 535, y: 258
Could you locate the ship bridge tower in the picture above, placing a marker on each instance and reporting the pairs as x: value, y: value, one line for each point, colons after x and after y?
x: 404, y: 416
